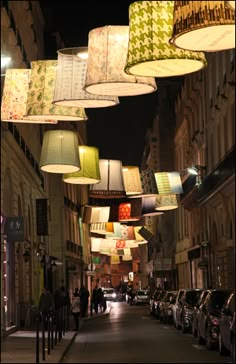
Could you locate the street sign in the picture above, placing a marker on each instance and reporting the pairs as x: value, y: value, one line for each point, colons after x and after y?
x: 91, y: 267
x: 90, y: 273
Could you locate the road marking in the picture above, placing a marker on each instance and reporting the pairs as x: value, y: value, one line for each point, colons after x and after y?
x: 199, y: 347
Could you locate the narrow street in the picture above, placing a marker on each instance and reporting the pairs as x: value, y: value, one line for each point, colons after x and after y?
x: 130, y: 335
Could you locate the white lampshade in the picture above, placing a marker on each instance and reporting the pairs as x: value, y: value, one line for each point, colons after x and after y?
x: 107, y: 51
x: 132, y: 181
x: 95, y: 244
x: 148, y: 204
x: 70, y: 81
x: 40, y: 96
x: 94, y: 214
x: 98, y: 228
x: 204, y: 25
x: 166, y: 202
x: 59, y: 152
x: 126, y: 258
x: 89, y: 172
x: 149, y: 51
x: 111, y: 184
x: 168, y: 183
x: 14, y: 98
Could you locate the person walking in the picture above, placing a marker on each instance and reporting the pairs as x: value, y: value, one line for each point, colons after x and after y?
x: 84, y: 296
x: 46, y: 306
x: 95, y: 299
x: 75, y: 309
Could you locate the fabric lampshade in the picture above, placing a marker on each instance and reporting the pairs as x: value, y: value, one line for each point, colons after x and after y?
x: 14, y: 98
x: 166, y: 202
x: 204, y: 25
x: 149, y: 51
x: 98, y: 228
x: 40, y: 96
x: 126, y: 257
x: 89, y: 172
x: 168, y: 183
x: 95, y: 244
x: 107, y: 51
x: 70, y: 80
x: 94, y: 214
x: 231, y: 4
x: 132, y: 181
x: 111, y: 184
x: 115, y: 259
x: 148, y: 205
x: 125, y: 213
x: 59, y: 152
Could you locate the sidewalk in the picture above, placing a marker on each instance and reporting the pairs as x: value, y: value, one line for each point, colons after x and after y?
x: 20, y: 346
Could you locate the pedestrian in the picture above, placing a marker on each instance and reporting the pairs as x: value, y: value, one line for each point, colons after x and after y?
x: 75, y: 309
x: 84, y: 296
x: 95, y: 299
x: 46, y: 305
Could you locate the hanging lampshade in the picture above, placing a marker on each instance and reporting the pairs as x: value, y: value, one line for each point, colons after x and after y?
x: 149, y: 51
x: 111, y: 184
x: 168, y: 183
x: 127, y: 232
x: 166, y: 202
x: 127, y: 257
x: 95, y: 244
x: 94, y: 214
x: 70, y: 80
x: 107, y: 51
x: 14, y: 98
x: 115, y: 259
x: 40, y: 96
x: 125, y: 213
x: 59, y: 152
x: 116, y: 233
x: 204, y: 25
x: 132, y: 181
x: 148, y: 205
x: 89, y: 172
x: 98, y: 228
x: 231, y: 4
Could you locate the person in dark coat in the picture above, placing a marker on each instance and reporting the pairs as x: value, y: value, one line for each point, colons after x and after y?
x: 95, y: 299
x: 84, y: 296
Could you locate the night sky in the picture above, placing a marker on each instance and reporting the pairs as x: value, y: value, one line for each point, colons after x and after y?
x: 118, y: 131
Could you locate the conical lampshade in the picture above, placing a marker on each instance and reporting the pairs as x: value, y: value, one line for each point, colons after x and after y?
x: 14, y: 98
x: 204, y: 25
x: 89, y: 172
x: 107, y: 51
x: 40, y: 96
x: 59, y: 152
x: 70, y: 80
x: 166, y: 202
x: 149, y: 51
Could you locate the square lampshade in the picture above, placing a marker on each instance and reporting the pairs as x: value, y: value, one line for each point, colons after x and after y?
x: 204, y: 25
x: 98, y: 228
x: 14, y: 98
x: 70, y: 80
x: 149, y: 50
x: 166, y: 202
x: 132, y: 180
x: 107, y: 51
x: 59, y: 152
x: 126, y: 213
x: 115, y: 259
x: 94, y: 214
x: 111, y: 184
x: 168, y: 183
x: 40, y: 96
x: 89, y: 172
x: 127, y: 232
x: 95, y: 244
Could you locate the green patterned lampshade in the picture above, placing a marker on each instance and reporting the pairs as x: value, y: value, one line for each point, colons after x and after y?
x: 107, y: 51
x: 89, y: 172
x: 166, y: 202
x: 204, y: 25
x: 149, y: 50
x: 40, y: 96
x: 168, y: 183
x: 59, y: 152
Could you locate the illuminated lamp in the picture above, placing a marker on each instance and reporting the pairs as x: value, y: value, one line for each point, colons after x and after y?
x: 132, y: 180
x: 166, y: 202
x: 168, y: 183
x: 115, y: 259
x: 94, y: 214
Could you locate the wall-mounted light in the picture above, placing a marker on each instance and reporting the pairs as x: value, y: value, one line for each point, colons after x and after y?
x: 197, y: 170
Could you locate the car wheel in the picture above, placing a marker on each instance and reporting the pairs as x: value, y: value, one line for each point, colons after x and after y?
x: 232, y: 350
x: 194, y: 331
x: 183, y: 328
x: 208, y: 339
x: 200, y: 339
x: 222, y: 348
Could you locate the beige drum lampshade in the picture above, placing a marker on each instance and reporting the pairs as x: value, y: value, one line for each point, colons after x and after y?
x: 132, y: 180
x: 89, y: 172
x: 59, y: 152
x: 149, y: 50
x: 94, y: 214
x: 107, y: 51
x: 14, y: 98
x: 40, y: 96
x: 204, y: 25
x: 166, y: 202
x: 70, y: 80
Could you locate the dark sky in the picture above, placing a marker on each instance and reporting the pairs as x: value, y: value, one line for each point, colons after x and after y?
x: 118, y: 131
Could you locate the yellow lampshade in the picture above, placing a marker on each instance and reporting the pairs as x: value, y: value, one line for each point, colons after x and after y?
x: 14, y: 98
x: 132, y: 181
x: 204, y: 25
x: 107, y: 51
x: 111, y: 184
x: 70, y: 80
x: 59, y: 152
x: 94, y: 214
x: 166, y: 202
x: 168, y: 183
x: 149, y: 50
x: 89, y: 172
x: 40, y: 96
x: 115, y: 259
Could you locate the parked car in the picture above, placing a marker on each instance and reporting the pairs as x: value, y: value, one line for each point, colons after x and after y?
x: 166, y: 306
x: 178, y: 297
x: 209, y: 315
x: 157, y: 301
x: 184, y: 308
x: 110, y: 294
x: 232, y: 339
x: 225, y: 323
x: 141, y: 297
x: 196, y: 310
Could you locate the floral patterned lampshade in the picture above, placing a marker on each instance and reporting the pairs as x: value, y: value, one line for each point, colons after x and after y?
x: 149, y: 50
x: 70, y: 81
x: 59, y: 152
x: 132, y: 181
x: 107, y: 51
x: 14, y: 98
x: 166, y: 202
x: 89, y: 172
x: 125, y: 213
x: 204, y: 25
x: 40, y: 96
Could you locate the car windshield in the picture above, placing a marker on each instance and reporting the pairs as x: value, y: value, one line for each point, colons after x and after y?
x: 192, y: 297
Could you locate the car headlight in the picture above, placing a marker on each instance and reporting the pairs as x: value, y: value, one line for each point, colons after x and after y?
x: 113, y: 295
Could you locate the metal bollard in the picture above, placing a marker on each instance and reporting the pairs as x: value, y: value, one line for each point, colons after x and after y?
x: 37, y: 340
x: 49, y: 332
x: 43, y: 337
